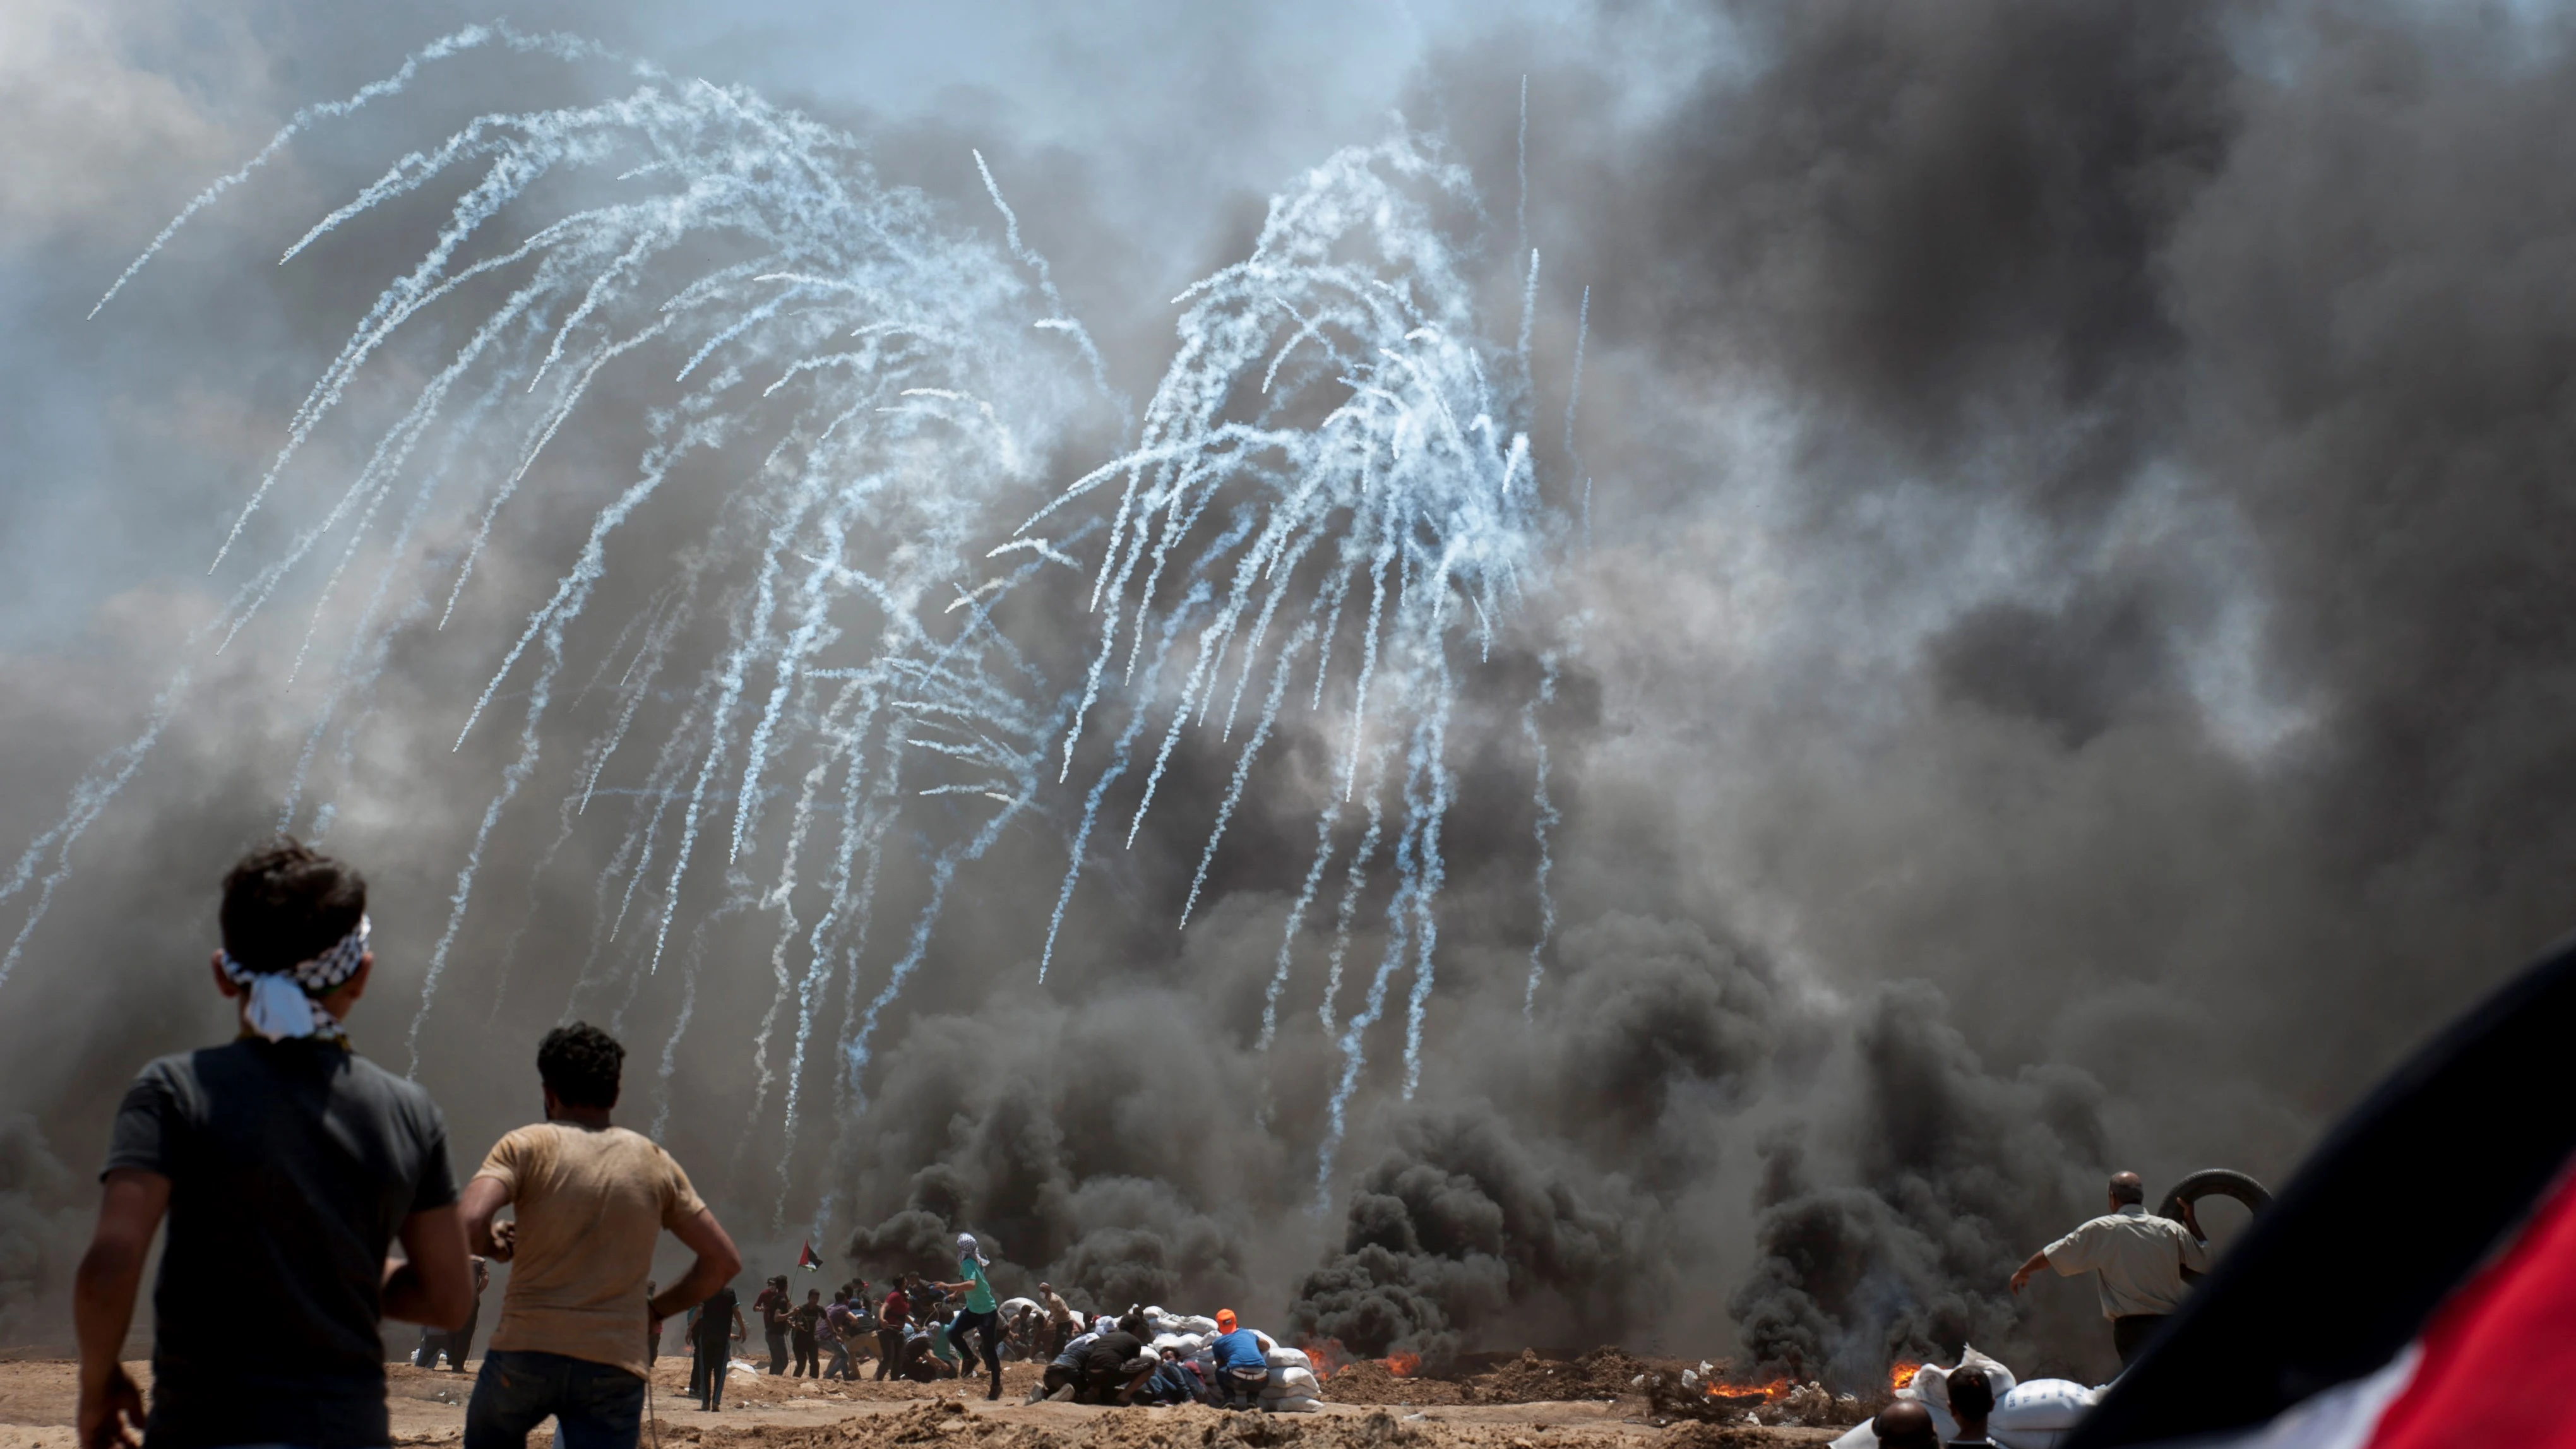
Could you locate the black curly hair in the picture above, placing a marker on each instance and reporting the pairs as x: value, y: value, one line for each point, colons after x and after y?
x: 1972, y: 1394
x: 285, y: 903
x: 581, y: 1063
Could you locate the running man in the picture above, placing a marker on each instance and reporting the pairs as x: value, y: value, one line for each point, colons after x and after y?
x: 978, y: 1314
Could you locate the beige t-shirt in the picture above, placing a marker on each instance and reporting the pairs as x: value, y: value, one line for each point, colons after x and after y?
x: 2139, y: 1257
x: 591, y: 1205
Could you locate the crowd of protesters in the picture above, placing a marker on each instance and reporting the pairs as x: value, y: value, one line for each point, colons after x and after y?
x: 287, y: 1167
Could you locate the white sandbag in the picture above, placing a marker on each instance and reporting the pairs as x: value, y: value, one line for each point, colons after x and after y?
x: 1298, y: 1404
x: 1295, y: 1358
x: 1268, y: 1344
x: 1932, y: 1382
x: 2041, y: 1413
x: 1931, y: 1386
x: 1863, y: 1435
x: 1011, y: 1307
x: 1293, y: 1377
x: 1927, y: 1382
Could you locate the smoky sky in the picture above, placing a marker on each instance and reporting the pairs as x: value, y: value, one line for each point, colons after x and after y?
x: 2065, y: 653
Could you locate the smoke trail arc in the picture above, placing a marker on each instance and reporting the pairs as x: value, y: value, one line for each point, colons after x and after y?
x: 1337, y: 388
x: 770, y: 670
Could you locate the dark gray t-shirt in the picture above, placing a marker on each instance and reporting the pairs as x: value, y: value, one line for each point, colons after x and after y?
x: 292, y: 1165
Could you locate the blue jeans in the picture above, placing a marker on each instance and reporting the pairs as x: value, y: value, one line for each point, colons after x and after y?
x: 987, y: 1328
x: 594, y: 1405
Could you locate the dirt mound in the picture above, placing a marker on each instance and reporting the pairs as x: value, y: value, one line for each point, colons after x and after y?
x: 1366, y: 1381
x: 1716, y: 1436
x: 671, y: 1377
x: 1604, y: 1373
x: 950, y: 1425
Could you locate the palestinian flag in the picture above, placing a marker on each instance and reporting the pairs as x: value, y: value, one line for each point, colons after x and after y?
x: 806, y: 1260
x: 2415, y: 1284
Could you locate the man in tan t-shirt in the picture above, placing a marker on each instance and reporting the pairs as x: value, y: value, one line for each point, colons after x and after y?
x: 593, y: 1201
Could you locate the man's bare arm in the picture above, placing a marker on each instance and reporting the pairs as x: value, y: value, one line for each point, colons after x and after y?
x: 483, y: 1197
x: 2190, y: 1221
x: 718, y: 1260
x: 2030, y: 1265
x: 435, y: 1288
x: 103, y: 1304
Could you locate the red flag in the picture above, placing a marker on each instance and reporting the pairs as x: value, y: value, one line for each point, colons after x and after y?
x: 2477, y: 1373
x: 806, y: 1260
x: 2463, y: 1339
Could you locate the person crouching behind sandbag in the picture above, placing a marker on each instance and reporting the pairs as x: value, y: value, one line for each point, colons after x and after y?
x: 1065, y: 1372
x: 1242, y: 1365
x: 1115, y: 1365
x: 1168, y: 1381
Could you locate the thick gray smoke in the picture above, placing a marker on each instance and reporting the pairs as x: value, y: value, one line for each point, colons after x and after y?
x: 1551, y: 1204
x: 2066, y: 667
x: 40, y: 1222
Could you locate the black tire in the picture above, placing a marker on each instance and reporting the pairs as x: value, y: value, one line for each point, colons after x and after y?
x: 2215, y: 1182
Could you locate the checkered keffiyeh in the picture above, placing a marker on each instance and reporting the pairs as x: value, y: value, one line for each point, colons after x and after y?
x: 282, y: 1002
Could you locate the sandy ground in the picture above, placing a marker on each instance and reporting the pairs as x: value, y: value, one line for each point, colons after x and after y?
x: 760, y: 1412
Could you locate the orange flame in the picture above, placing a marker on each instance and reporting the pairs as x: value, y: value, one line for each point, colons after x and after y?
x: 1772, y: 1391
x: 1327, y: 1355
x: 1901, y: 1374
x: 1402, y: 1364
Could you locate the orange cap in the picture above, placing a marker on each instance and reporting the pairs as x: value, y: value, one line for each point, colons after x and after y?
x: 1225, y: 1320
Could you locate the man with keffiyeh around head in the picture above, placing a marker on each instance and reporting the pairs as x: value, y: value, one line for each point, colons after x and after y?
x: 980, y: 1314
x: 286, y: 1165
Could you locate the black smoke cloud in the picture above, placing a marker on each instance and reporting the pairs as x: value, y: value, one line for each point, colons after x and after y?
x: 1547, y: 1201
x: 1952, y: 1175
x: 2073, y: 646
x: 1084, y: 1143
x: 2153, y: 412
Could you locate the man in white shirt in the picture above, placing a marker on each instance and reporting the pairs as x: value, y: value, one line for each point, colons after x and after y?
x: 2139, y: 1261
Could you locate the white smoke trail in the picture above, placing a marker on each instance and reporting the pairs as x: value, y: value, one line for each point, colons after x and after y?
x: 1546, y: 819
x: 91, y: 796
x: 884, y: 365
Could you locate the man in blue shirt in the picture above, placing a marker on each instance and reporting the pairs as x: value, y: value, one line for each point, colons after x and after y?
x: 1242, y: 1367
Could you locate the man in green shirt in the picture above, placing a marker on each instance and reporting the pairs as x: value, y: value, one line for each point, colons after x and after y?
x: 979, y: 1313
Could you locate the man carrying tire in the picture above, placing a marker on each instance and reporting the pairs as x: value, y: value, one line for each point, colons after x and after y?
x: 2138, y: 1261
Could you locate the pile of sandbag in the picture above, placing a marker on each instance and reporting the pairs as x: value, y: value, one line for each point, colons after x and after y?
x: 2040, y: 1414
x: 1293, y: 1389
x: 1186, y: 1334
x: 2035, y: 1415
x: 1161, y: 1324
